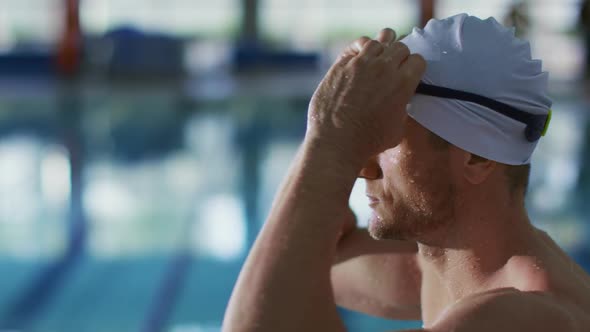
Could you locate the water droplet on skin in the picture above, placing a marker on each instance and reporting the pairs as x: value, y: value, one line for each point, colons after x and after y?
x: 394, y: 158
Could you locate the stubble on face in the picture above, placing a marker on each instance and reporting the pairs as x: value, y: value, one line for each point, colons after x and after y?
x: 418, y: 199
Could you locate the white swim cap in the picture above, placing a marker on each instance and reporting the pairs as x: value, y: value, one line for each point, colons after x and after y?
x: 481, y: 88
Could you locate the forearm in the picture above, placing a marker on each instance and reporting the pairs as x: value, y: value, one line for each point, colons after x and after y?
x: 360, y: 111
x: 285, y: 283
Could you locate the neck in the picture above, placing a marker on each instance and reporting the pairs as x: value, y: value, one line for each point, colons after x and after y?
x: 466, y: 256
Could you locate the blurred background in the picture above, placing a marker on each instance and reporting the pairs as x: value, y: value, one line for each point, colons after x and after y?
x: 142, y: 141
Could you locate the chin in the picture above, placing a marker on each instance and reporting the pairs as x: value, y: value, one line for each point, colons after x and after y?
x: 383, y: 229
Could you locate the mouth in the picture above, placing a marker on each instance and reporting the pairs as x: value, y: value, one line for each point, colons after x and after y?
x: 373, y: 201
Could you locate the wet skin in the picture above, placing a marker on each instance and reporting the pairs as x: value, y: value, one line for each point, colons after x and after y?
x: 479, y: 256
x: 456, y: 248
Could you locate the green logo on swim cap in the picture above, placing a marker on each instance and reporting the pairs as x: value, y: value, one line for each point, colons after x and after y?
x: 547, y: 122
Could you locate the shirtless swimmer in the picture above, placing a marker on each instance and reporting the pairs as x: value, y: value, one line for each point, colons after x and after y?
x: 450, y: 241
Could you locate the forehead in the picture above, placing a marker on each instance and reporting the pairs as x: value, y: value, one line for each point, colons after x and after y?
x: 416, y: 135
x: 416, y: 144
x: 416, y: 153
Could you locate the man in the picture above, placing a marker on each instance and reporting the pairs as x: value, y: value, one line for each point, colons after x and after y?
x: 455, y: 246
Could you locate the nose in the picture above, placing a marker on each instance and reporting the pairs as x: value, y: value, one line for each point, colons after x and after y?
x: 371, y: 170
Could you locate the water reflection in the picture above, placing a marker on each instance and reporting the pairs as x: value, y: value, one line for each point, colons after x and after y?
x: 34, y: 196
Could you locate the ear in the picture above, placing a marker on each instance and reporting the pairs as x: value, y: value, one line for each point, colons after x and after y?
x: 477, y: 169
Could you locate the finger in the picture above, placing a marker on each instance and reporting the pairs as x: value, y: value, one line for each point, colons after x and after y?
x: 386, y: 36
x: 352, y: 50
x: 411, y: 71
x: 343, y: 59
x: 371, y: 49
x: 396, y: 53
x: 356, y: 46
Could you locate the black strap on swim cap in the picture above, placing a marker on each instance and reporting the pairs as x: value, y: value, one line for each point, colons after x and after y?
x: 536, y: 123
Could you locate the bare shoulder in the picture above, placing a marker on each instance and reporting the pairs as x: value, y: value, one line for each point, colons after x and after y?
x: 509, y: 310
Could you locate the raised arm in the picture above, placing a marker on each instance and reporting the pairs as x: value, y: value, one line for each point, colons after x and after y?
x: 357, y: 111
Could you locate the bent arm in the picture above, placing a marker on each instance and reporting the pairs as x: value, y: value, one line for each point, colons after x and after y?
x: 377, y: 277
x: 356, y: 112
x: 285, y: 282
